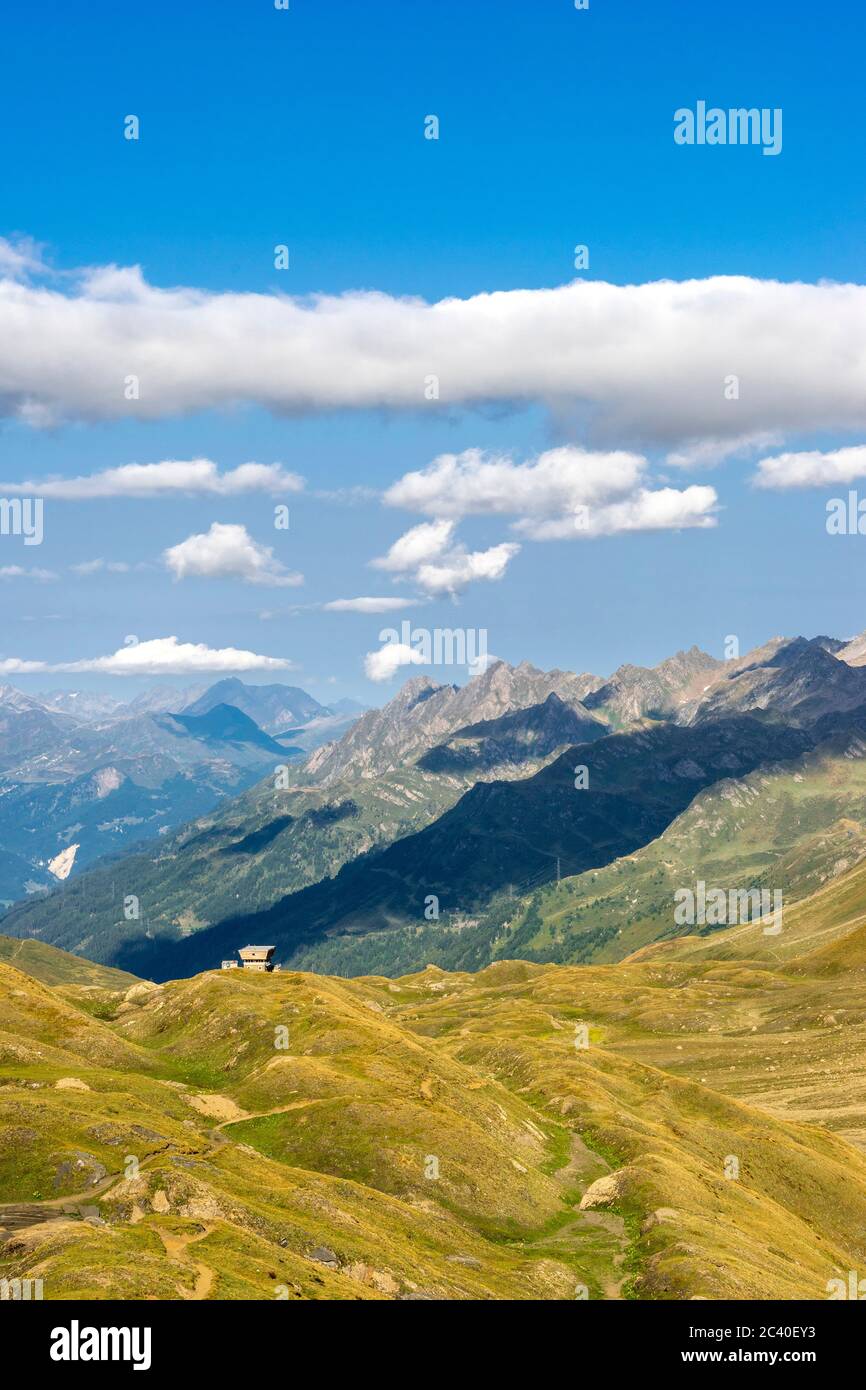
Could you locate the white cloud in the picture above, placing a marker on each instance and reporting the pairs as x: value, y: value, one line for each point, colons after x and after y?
x: 812, y: 468
x: 369, y: 605
x: 384, y: 663
x: 477, y: 484
x: 643, y: 363
x: 661, y: 509
x: 17, y: 572
x: 171, y: 477
x: 228, y: 552
x: 161, y: 656
x: 459, y: 567
x: 423, y: 542
x: 429, y: 555
x: 565, y: 492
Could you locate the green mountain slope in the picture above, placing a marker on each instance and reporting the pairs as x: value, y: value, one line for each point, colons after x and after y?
x: 793, y: 826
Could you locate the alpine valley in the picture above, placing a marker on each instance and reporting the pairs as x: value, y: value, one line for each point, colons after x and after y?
x: 505, y: 1069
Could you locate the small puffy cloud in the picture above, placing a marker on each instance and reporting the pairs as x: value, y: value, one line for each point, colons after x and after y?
x: 228, y: 552
x: 161, y: 656
x: 563, y: 493
x: 421, y: 543
x: 17, y: 572
x: 482, y: 663
x: 458, y: 567
x: 171, y: 477
x: 384, y: 663
x: 368, y: 605
x: 812, y: 468
x: 429, y: 555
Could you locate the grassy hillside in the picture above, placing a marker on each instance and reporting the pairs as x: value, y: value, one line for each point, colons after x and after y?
x: 238, y: 1136
x: 306, y: 1168
x: 55, y: 967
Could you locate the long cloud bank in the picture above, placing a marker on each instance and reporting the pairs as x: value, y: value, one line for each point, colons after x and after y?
x: 169, y: 478
x: 647, y: 363
x: 161, y: 656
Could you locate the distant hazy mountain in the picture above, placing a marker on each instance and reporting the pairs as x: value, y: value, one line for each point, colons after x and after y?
x: 228, y: 724
x: 273, y: 707
x: 26, y: 727
x: 82, y: 704
x: 88, y: 706
x: 82, y: 775
x: 325, y: 728
x: 277, y: 709
x: 162, y: 699
x: 348, y: 707
x: 104, y: 785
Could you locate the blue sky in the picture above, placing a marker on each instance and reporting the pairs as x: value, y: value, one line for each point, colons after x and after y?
x: 261, y: 127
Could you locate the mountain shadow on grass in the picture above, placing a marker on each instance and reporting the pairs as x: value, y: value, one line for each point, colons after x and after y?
x: 257, y: 839
x: 520, y: 833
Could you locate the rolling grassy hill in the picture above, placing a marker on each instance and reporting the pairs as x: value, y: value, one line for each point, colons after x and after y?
x: 55, y: 967
x: 441, y: 1136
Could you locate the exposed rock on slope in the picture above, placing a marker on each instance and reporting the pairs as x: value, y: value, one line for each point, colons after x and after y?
x: 423, y: 714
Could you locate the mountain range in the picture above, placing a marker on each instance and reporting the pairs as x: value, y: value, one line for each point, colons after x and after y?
x: 450, y: 825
